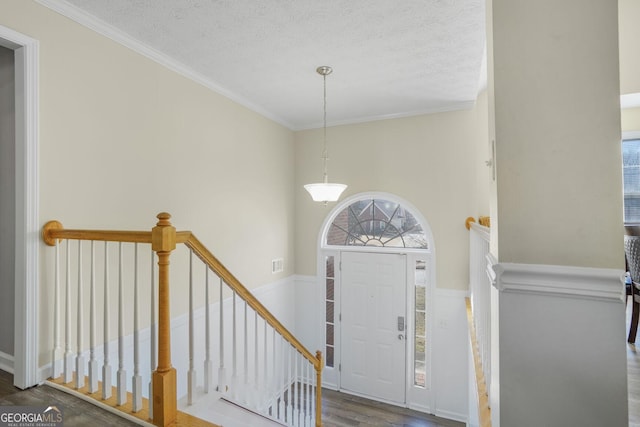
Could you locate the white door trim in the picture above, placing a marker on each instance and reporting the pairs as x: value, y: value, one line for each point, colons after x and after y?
x: 418, y: 398
x: 25, y: 367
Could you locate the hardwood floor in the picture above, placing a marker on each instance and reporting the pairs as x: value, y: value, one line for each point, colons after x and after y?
x: 344, y: 410
x: 339, y: 409
x: 633, y: 376
x: 76, y: 411
x: 633, y: 384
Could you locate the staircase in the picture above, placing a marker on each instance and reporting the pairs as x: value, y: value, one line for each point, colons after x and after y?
x: 233, y: 362
x: 479, y: 318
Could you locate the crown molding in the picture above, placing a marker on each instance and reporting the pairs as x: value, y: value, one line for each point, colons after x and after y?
x: 556, y: 280
x: 89, y: 21
x: 458, y: 106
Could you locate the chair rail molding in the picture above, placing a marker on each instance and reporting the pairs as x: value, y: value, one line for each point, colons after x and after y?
x: 570, y: 281
x: 546, y: 312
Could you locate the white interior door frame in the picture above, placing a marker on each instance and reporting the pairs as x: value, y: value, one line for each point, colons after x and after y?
x: 418, y: 398
x: 25, y: 367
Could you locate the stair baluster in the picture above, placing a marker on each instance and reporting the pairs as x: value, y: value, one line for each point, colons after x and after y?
x: 245, y: 373
x: 136, y: 380
x: 191, y: 374
x: 153, y: 363
x: 56, y: 309
x: 222, y: 373
x: 80, y: 308
x: 106, y: 368
x: 282, y: 380
x: 234, y: 357
x: 256, y: 383
x: 208, y: 363
x: 68, y: 356
x: 122, y: 373
x: 93, y: 363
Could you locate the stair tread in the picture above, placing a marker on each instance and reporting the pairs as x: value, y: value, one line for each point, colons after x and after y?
x: 183, y: 418
x: 214, y: 408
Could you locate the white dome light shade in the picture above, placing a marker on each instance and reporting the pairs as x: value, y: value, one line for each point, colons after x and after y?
x: 325, y: 191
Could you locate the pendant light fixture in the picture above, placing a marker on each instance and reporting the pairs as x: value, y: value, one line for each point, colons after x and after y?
x: 325, y: 191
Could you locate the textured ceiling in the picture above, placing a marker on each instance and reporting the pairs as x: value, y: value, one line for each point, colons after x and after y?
x: 390, y: 58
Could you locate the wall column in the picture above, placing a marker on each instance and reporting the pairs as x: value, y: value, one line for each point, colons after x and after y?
x: 557, y: 212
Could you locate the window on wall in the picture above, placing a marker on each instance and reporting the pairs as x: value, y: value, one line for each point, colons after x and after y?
x: 631, y: 178
x: 330, y: 310
x: 376, y: 222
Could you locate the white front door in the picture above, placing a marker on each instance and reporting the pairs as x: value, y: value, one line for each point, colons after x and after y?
x: 373, y: 324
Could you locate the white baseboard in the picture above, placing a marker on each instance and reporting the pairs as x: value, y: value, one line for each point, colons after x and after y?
x: 6, y: 362
x: 455, y: 416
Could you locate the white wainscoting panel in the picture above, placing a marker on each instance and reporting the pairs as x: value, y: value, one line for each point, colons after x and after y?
x: 562, y: 346
x: 450, y: 354
x: 309, y: 315
x: 278, y: 297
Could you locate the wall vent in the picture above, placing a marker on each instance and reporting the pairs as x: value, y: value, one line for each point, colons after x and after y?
x: 277, y: 265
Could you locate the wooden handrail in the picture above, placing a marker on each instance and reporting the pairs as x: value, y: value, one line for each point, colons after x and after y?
x: 192, y: 242
x: 484, y: 411
x: 485, y: 221
x: 53, y: 231
x: 210, y: 260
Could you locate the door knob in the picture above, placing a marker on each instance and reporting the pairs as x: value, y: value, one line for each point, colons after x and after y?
x: 400, y: 337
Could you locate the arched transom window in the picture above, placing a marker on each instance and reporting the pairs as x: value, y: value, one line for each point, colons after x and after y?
x: 376, y: 222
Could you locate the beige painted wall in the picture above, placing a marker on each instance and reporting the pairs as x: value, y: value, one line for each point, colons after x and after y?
x: 557, y: 122
x: 123, y: 138
x: 628, y: 18
x: 431, y: 161
x: 630, y: 118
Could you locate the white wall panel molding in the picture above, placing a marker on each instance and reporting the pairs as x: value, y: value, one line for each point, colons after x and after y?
x: 305, y: 278
x: 491, y: 273
x: 450, y: 352
x: 545, y: 313
x: 570, y: 281
x: 276, y: 296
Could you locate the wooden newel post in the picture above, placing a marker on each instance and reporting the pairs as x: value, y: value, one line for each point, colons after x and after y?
x: 319, y: 389
x: 163, y: 241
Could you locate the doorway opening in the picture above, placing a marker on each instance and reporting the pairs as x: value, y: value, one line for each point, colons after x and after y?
x: 377, y: 262
x: 24, y: 363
